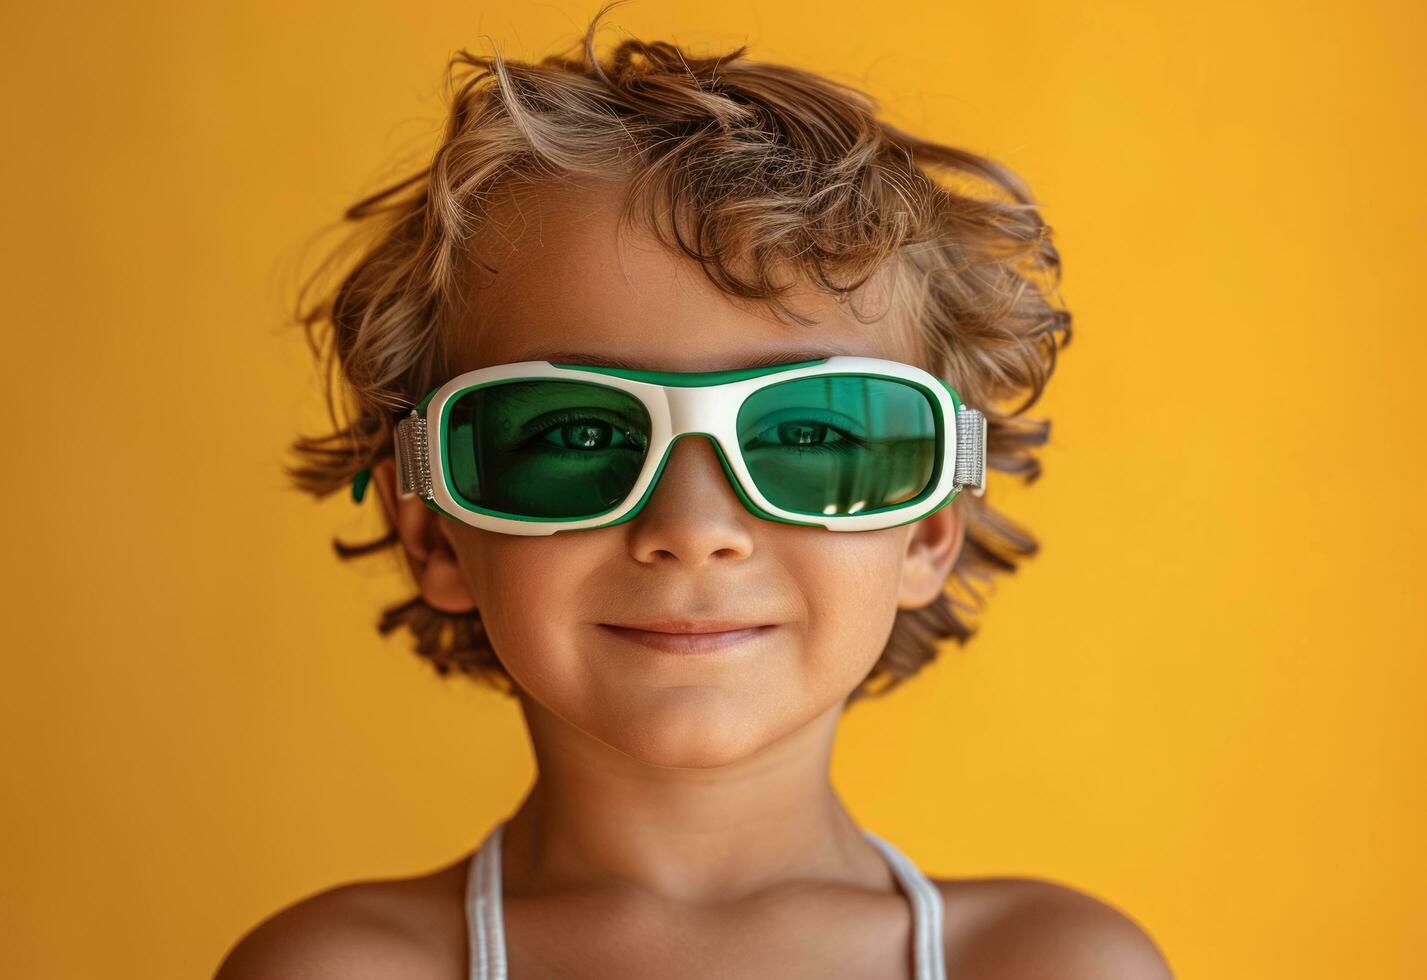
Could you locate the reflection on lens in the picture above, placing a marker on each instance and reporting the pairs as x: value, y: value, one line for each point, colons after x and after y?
x: 840, y: 445
x: 546, y: 449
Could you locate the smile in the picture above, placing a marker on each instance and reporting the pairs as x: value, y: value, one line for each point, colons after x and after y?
x: 688, y: 642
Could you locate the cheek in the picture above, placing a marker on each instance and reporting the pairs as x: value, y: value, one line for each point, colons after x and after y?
x: 527, y: 590
x: 851, y: 586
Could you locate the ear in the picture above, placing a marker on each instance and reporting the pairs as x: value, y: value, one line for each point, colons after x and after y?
x: 932, y: 549
x: 428, y: 549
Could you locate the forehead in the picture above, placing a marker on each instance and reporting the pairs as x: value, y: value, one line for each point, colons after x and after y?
x: 554, y: 273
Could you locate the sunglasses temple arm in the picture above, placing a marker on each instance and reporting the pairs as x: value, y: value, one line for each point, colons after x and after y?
x: 970, y: 450
x: 413, y: 460
x: 413, y: 466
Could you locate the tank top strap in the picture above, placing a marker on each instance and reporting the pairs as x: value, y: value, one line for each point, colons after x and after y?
x: 486, y: 927
x: 927, y: 911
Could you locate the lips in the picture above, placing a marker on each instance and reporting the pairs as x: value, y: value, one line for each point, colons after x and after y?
x: 689, y: 625
x: 690, y: 636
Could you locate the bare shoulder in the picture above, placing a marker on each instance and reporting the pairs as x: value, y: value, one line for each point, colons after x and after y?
x: 1027, y: 928
x: 363, y: 930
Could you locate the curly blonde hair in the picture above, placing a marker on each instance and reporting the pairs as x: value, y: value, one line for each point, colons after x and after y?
x: 769, y: 166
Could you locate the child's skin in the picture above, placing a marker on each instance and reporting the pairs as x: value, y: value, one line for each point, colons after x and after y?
x: 682, y: 822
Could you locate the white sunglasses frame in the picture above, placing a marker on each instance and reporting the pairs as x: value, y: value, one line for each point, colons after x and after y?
x: 679, y: 405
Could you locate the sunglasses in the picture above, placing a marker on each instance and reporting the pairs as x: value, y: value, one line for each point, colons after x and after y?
x: 844, y: 443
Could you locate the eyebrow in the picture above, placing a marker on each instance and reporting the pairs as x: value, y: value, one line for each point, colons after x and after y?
x: 606, y: 360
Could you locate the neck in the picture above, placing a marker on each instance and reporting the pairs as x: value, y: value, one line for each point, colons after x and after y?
x: 595, y: 815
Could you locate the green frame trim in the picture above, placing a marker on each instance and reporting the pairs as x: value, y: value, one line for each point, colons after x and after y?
x: 359, y: 483
x: 690, y: 379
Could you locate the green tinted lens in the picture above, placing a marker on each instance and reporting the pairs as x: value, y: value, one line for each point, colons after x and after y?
x: 842, y: 444
x: 554, y: 450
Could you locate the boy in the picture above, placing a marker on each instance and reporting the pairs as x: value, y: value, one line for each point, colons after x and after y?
x: 684, y: 644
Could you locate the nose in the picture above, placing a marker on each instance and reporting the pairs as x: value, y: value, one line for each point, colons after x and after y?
x: 693, y: 513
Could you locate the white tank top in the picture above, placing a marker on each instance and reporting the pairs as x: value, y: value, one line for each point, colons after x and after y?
x: 486, y: 927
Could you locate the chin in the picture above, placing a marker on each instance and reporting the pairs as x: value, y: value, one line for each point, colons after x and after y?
x: 705, y: 756
x: 683, y: 737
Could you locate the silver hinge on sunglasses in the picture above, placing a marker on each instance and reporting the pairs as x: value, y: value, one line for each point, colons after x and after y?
x: 970, y: 451
x: 413, y: 459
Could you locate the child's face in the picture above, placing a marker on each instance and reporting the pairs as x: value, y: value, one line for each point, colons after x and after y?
x: 566, y: 285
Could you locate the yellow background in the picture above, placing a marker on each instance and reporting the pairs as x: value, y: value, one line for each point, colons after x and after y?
x: 1203, y: 702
